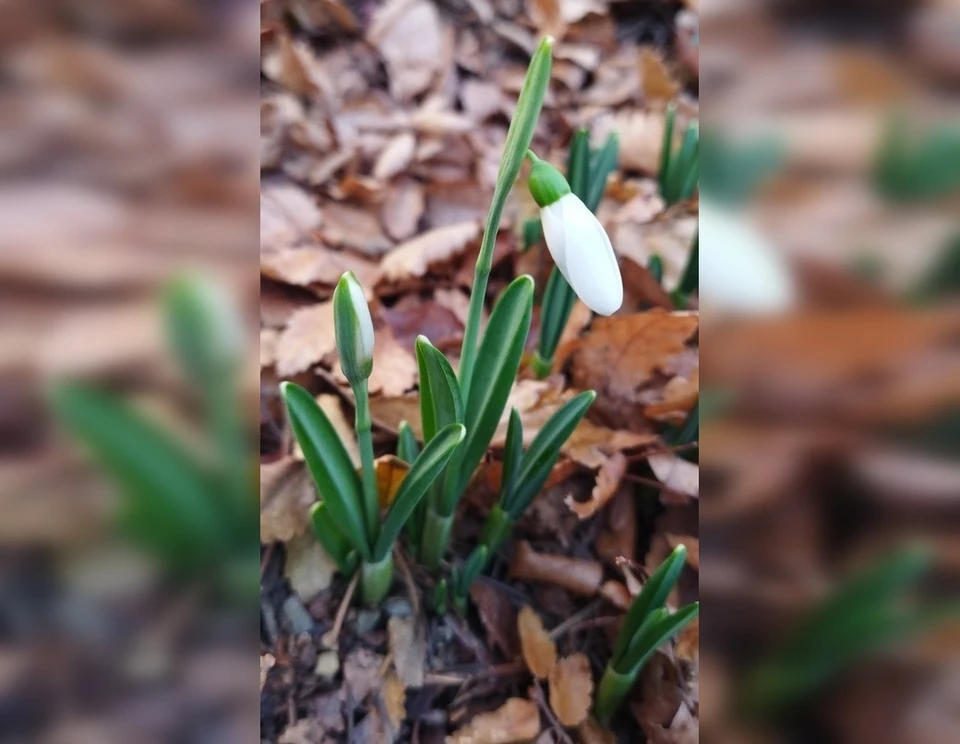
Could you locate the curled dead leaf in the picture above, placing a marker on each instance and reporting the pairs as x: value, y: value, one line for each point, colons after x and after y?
x: 391, y: 471
x: 517, y: 720
x: 539, y: 650
x: 608, y: 481
x: 571, y: 689
x: 574, y: 574
x: 498, y: 616
x: 677, y: 474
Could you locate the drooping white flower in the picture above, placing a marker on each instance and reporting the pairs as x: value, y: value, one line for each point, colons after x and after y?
x: 740, y: 273
x: 577, y: 241
x: 354, y: 329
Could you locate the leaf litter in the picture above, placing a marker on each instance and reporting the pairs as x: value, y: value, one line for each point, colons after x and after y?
x: 381, y: 131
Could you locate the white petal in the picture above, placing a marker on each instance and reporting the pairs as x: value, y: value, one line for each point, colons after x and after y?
x: 739, y: 272
x: 592, y: 266
x: 551, y: 218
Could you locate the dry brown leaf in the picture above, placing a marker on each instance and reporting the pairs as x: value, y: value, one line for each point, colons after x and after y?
x: 539, y: 651
x: 679, y: 396
x: 620, y: 356
x: 394, y: 696
x: 692, y: 545
x: 307, y: 338
x: 617, y: 594
x: 287, y: 63
x: 413, y: 258
x: 481, y: 99
x: 307, y: 567
x: 288, y: 215
x: 395, y: 157
x: 409, y: 649
x: 387, y: 413
x: 641, y: 137
x: 408, y: 35
x: 688, y: 641
x: 608, y: 481
x: 498, y: 615
x: 675, y: 473
x: 577, y: 575
x: 362, y: 675
x: 316, y: 264
x: 658, y: 83
x: 354, y: 227
x: 517, y: 720
x: 619, y: 535
x: 592, y: 732
x: 394, y: 367
x: 391, y: 471
x: 571, y: 689
x: 286, y: 493
x: 402, y: 209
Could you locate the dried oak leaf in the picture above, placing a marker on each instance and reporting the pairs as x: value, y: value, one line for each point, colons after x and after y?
x: 307, y: 338
x: 517, y: 720
x: 413, y: 258
x: 608, y: 481
x: 658, y: 83
x: 571, y: 689
x: 539, y: 650
x: 622, y: 356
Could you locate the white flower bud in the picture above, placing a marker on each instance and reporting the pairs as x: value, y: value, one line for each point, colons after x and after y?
x: 583, y: 253
x: 354, y: 329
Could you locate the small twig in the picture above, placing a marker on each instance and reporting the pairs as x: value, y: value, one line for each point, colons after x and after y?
x: 444, y: 680
x: 408, y: 581
x: 331, y: 638
x: 545, y: 707
x: 575, y: 618
x: 468, y: 639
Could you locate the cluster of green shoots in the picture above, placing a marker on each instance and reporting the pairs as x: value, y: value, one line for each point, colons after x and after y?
x: 647, y: 625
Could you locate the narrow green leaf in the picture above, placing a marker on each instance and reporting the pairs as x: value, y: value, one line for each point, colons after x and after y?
x: 329, y: 464
x: 440, y: 401
x: 652, y: 597
x: 655, y: 267
x: 690, y: 280
x: 424, y: 470
x: 519, y: 136
x: 602, y: 164
x: 663, y: 627
x: 407, y: 447
x: 330, y: 537
x: 666, y: 151
x: 471, y: 569
x: 169, y: 506
x: 558, y: 301
x: 498, y: 362
x: 544, y: 450
x: 512, y: 452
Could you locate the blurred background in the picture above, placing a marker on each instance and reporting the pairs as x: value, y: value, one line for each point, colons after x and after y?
x: 829, y: 278
x: 128, y: 171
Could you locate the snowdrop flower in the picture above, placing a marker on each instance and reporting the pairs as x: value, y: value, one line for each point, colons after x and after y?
x: 739, y: 271
x: 354, y: 329
x: 576, y: 240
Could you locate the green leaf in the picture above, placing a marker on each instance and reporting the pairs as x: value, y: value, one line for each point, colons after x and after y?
x: 407, y: 447
x: 440, y: 401
x: 422, y: 473
x: 558, y: 301
x: 512, y: 452
x: 169, y: 505
x: 666, y: 151
x: 329, y: 464
x: 690, y: 280
x: 331, y: 538
x: 519, y: 136
x: 652, y: 597
x: 602, y: 163
x: 544, y: 450
x: 662, y: 627
x: 468, y: 573
x: 499, y: 360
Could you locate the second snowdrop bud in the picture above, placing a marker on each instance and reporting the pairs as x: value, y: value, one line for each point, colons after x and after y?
x: 354, y: 329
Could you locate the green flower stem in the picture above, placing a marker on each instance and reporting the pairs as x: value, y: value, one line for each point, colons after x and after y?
x: 436, y: 535
x: 495, y: 531
x: 371, y: 499
x: 519, y: 136
x: 376, y: 579
x: 541, y: 367
x: 613, y: 690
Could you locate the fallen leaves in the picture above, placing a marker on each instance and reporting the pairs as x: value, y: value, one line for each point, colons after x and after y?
x: 517, y: 720
x: 286, y: 493
x: 608, y: 481
x: 409, y: 649
x: 577, y: 575
x: 307, y: 339
x: 675, y: 473
x: 407, y: 33
x: 539, y: 651
x: 571, y: 689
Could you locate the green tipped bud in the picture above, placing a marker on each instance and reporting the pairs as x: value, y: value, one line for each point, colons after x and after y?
x: 546, y: 183
x: 354, y: 329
